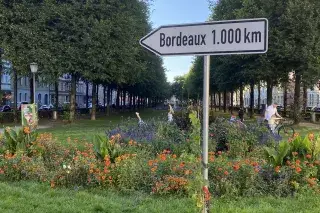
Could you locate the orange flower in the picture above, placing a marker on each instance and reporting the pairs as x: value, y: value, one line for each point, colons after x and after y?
x: 174, y: 156
x: 255, y: 164
x: 26, y: 130
x: 292, y: 166
x: 211, y: 158
x: 163, y: 157
x: 182, y: 164
x: 298, y: 170
x: 295, y: 135
x: 153, y: 169
x: 52, y: 184
x: 308, y: 156
x: 247, y: 161
x: 277, y: 169
x: 226, y: 173
x: 236, y: 167
x: 187, y: 172
x: 294, y: 153
x: 150, y: 162
x: 311, y: 136
x: 298, y: 162
x: 130, y: 142
x: 256, y: 170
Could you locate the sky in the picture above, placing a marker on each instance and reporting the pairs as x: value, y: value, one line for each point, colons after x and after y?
x: 166, y: 12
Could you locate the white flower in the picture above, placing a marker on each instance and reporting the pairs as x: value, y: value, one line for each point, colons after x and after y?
x: 69, y: 167
x: 64, y: 166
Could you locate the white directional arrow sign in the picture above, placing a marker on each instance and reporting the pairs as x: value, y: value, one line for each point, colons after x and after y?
x: 247, y: 36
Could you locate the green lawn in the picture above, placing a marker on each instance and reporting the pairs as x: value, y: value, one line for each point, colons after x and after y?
x: 85, y: 128
x: 32, y: 197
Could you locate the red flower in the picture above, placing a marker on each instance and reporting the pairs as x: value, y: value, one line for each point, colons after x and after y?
x: 226, y: 173
x: 298, y: 169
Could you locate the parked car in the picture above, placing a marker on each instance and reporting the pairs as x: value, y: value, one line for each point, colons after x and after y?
x: 280, y: 108
x: 5, y: 108
x: 316, y: 109
x: 44, y: 107
x: 310, y: 109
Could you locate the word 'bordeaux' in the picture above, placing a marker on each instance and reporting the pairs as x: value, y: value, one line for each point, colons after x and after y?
x: 182, y: 40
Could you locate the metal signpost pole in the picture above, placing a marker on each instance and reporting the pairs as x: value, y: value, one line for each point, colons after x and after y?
x: 205, y: 130
x: 247, y: 36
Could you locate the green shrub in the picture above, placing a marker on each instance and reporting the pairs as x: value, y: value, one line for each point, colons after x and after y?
x: 19, y: 140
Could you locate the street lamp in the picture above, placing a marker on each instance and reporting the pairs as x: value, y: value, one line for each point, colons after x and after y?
x: 34, y: 69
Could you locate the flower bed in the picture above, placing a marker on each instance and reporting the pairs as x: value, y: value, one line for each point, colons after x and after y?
x: 243, y: 169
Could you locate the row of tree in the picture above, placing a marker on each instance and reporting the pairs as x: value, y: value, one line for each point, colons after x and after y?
x: 96, y: 41
x: 294, y: 46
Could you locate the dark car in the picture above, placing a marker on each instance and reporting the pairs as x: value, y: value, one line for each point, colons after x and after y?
x: 317, y: 109
x: 280, y: 108
x: 5, y: 108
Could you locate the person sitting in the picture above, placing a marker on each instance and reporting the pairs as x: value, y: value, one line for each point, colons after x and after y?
x: 233, y: 117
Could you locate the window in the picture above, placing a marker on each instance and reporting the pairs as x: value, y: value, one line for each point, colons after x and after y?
x: 46, y: 99
x: 25, y: 96
x: 21, y: 81
x: 39, y: 98
x: 25, y: 81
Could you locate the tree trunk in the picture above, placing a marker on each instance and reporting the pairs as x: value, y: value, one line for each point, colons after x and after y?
x: 15, y: 95
x: 219, y: 101
x: 251, y: 99
x: 259, y: 96
x: 31, y: 89
x: 56, y: 94
x: 134, y: 102
x: 241, y: 97
x: 87, y: 95
x: 297, y: 102
x: 97, y: 94
x: 118, y: 98
x: 285, y: 97
x: 215, y: 101
x: 124, y: 99
x: 94, y: 102
x: 269, y: 92
x: 73, y: 97
x: 225, y: 101
x: 56, y: 97
x: 104, y: 98
x: 130, y: 104
x: 305, y: 97
x: 108, y: 100
x: 231, y: 101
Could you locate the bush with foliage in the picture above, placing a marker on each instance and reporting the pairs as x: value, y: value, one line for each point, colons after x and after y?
x: 237, y: 139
